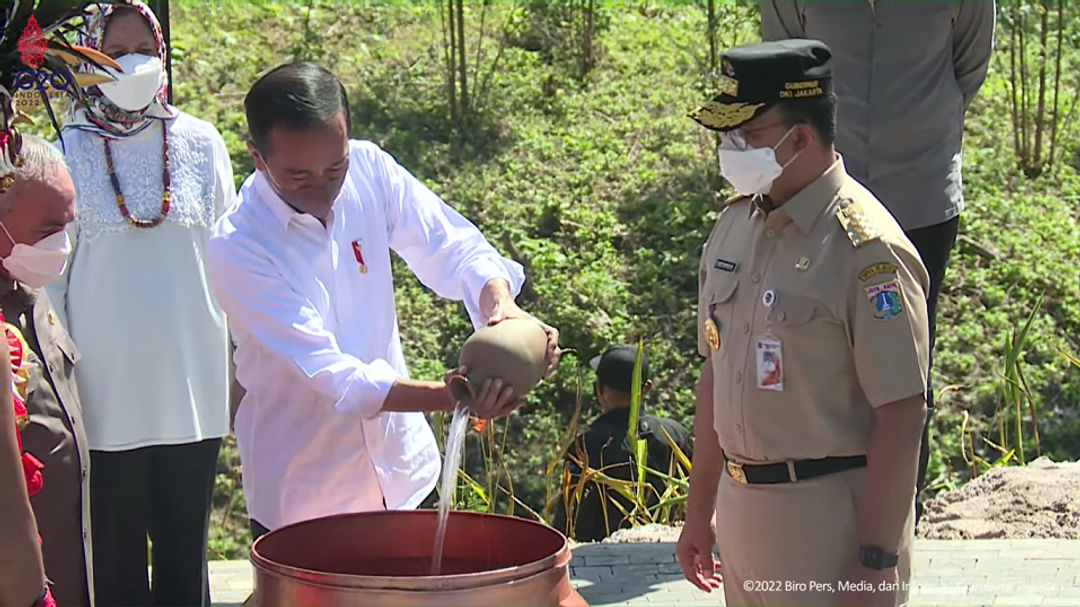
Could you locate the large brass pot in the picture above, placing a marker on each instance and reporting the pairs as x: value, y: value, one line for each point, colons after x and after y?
x: 384, y: 558
x: 514, y: 350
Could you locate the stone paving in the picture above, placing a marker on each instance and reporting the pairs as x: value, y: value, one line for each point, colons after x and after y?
x: 946, y: 573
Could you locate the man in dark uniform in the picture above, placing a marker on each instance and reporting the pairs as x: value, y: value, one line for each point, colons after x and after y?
x: 604, y: 447
x: 33, y: 211
x: 900, y: 114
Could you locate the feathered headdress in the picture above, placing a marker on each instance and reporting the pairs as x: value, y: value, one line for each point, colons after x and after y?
x: 35, y: 60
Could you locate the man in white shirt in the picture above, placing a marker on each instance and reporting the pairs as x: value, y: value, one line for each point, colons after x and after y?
x: 330, y: 422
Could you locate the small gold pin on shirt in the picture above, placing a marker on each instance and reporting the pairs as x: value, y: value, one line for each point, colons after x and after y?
x: 712, y: 334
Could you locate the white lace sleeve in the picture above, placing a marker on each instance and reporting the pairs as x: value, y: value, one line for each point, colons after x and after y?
x: 224, y: 185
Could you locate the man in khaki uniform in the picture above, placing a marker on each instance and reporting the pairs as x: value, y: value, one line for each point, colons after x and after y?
x: 42, y: 200
x: 56, y: 437
x: 22, y: 575
x: 812, y: 321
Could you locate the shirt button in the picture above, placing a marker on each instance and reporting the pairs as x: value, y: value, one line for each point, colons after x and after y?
x: 738, y: 377
x: 746, y: 328
x: 738, y: 429
x: 770, y: 232
x: 781, y: 316
x: 755, y: 277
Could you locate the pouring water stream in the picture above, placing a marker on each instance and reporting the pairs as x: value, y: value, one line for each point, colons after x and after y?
x: 455, y: 439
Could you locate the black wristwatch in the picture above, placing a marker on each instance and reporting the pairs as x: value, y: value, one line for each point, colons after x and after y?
x: 875, y: 557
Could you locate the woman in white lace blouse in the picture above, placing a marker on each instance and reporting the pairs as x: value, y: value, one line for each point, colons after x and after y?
x: 153, y: 376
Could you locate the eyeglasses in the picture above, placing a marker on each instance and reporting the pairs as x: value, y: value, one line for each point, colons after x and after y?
x: 736, y: 139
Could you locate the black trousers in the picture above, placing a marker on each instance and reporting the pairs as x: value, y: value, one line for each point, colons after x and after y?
x: 935, y: 244
x: 164, y: 493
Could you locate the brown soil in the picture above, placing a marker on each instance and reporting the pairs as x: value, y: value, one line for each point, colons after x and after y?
x: 1040, y: 500
x: 645, y: 534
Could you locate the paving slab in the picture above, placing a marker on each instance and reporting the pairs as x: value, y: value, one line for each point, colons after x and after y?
x: 945, y: 573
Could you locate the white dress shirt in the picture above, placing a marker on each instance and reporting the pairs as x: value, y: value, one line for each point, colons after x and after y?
x: 155, y: 349
x: 317, y: 343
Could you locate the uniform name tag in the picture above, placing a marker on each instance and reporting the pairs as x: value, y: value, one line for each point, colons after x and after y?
x: 725, y: 265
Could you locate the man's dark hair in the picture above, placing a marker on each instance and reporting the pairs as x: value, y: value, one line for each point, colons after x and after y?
x: 298, y: 96
x: 819, y: 113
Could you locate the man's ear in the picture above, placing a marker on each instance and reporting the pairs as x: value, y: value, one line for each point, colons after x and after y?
x: 260, y: 164
x: 804, y: 136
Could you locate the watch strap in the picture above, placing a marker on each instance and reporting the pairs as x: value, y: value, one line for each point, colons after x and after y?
x: 877, y: 558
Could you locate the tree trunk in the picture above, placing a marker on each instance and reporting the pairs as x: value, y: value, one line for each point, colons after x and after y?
x: 1057, y: 81
x: 462, y: 74
x: 711, y: 31
x: 1040, y: 106
x: 587, y: 37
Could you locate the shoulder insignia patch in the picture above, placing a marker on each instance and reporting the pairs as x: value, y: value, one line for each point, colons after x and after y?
x: 875, y: 269
x: 885, y: 300
x: 855, y: 223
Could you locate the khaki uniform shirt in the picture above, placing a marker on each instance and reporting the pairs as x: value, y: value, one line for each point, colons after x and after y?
x: 832, y: 278
x: 57, y: 438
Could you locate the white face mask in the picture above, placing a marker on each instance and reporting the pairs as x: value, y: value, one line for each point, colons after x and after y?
x: 139, y: 83
x: 752, y: 171
x: 38, y: 265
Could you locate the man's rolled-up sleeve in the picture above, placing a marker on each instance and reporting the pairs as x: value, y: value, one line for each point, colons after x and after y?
x: 887, y: 319
x: 447, y: 252
x: 261, y: 306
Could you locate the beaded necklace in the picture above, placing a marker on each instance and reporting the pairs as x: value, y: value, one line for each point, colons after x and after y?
x: 166, y: 182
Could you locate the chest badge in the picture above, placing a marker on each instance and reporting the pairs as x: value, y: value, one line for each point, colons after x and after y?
x: 358, y: 251
x: 712, y: 334
x: 725, y: 265
x: 768, y: 298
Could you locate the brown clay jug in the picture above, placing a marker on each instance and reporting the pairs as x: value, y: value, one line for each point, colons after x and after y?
x: 513, y: 350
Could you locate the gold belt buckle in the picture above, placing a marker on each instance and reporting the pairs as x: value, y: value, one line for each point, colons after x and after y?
x: 736, y: 472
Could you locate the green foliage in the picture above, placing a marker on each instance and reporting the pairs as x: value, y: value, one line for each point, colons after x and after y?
x: 1037, y: 38
x: 602, y: 188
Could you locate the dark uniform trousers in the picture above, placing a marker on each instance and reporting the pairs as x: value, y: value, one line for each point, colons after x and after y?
x: 935, y: 244
x: 57, y: 438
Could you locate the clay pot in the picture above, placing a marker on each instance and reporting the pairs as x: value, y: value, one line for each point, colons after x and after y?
x: 513, y: 350
x: 384, y: 558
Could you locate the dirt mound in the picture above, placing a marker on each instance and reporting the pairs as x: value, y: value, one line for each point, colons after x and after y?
x: 645, y: 534
x: 1040, y: 500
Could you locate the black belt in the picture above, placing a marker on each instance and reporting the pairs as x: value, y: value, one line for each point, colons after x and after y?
x: 758, y: 474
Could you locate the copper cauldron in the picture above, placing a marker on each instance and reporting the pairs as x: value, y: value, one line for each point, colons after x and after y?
x: 384, y: 558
